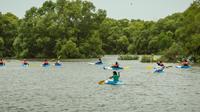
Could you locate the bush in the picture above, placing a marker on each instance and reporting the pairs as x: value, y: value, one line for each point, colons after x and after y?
x: 149, y: 58
x: 195, y: 59
x: 198, y: 59
x: 174, y: 53
x: 128, y: 57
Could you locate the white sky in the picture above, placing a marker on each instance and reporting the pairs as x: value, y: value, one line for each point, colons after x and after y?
x: 118, y: 9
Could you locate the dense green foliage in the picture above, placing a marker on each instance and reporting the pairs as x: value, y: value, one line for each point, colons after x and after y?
x: 69, y: 29
x: 75, y: 29
x: 147, y: 58
x: 128, y: 57
x: 8, y: 32
x: 174, y: 53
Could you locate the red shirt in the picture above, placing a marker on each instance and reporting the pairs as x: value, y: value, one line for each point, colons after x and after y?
x: 46, y: 62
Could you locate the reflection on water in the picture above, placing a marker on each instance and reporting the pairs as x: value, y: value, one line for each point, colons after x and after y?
x: 74, y: 88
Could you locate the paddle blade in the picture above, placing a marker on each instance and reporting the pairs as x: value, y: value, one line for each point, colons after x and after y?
x: 101, y: 82
x: 168, y: 66
x: 125, y: 68
x: 149, y: 67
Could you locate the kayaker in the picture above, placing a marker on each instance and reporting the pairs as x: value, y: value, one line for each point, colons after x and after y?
x: 116, y: 65
x: 57, y: 62
x: 99, y: 62
x: 2, y: 62
x: 115, y: 76
x: 45, y: 62
x: 185, y: 63
x: 160, y: 64
x: 24, y: 62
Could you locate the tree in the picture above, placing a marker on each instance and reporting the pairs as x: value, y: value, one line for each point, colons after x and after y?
x: 69, y: 50
x: 8, y: 32
x: 43, y: 29
x: 1, y: 46
x: 122, y: 45
x: 174, y: 52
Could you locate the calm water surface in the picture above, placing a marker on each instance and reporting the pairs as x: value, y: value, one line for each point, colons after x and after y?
x: 73, y: 88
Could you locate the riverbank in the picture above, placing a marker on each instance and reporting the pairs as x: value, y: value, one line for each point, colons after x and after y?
x: 142, y: 58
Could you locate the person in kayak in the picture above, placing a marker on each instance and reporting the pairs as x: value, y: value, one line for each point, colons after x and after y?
x: 2, y: 62
x: 57, y: 62
x: 115, y: 76
x: 24, y: 62
x: 116, y: 65
x: 185, y: 63
x: 99, y: 62
x: 160, y: 65
x: 45, y: 62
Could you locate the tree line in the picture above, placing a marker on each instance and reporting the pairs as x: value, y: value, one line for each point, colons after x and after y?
x: 75, y: 29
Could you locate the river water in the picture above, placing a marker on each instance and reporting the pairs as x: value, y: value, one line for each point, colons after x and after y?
x: 73, y: 88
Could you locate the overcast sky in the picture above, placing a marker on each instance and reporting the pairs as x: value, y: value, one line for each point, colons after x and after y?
x: 118, y: 9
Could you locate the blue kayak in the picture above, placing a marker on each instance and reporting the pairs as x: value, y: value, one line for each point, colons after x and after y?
x: 111, y: 82
x: 25, y: 65
x: 158, y: 71
x: 45, y: 65
x: 113, y: 68
x: 117, y: 68
x: 183, y: 67
x: 58, y: 64
x: 1, y: 65
x: 98, y: 63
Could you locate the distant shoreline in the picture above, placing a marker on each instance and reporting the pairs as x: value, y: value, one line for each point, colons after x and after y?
x: 86, y: 59
x: 51, y: 60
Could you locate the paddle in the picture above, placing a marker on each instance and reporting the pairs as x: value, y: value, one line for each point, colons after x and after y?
x: 168, y: 66
x: 101, y: 82
x: 126, y: 67
x: 52, y: 60
x: 59, y: 57
x: 151, y: 67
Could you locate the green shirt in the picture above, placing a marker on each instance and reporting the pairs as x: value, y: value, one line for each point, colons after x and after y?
x: 115, y: 77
